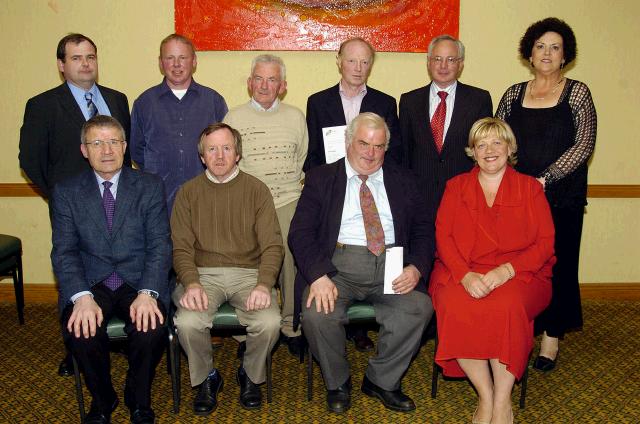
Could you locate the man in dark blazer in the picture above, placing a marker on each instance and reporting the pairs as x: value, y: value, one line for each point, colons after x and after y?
x: 338, y: 237
x: 339, y: 104
x: 464, y: 105
x: 111, y: 256
x: 52, y: 120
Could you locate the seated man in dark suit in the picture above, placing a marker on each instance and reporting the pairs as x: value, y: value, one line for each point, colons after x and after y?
x: 350, y: 211
x: 338, y: 105
x: 111, y: 255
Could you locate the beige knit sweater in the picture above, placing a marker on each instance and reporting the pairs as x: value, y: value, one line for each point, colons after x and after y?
x: 233, y: 224
x: 274, y: 147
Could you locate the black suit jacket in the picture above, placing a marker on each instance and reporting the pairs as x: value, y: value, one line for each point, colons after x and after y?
x: 138, y: 248
x: 419, y: 151
x: 50, y: 135
x: 316, y: 224
x: 324, y: 109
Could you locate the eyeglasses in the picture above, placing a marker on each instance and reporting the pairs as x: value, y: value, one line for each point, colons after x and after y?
x: 97, y: 144
x: 449, y: 60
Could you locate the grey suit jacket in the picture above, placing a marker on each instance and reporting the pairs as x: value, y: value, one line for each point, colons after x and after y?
x: 139, y: 247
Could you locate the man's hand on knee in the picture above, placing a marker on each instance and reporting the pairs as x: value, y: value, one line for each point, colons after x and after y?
x: 143, y: 312
x: 325, y: 293
x: 259, y: 298
x: 85, y: 318
x: 194, y: 298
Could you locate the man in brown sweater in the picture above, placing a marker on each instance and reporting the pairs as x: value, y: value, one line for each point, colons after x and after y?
x: 227, y: 246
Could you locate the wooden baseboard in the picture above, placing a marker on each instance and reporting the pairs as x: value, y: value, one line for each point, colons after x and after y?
x: 47, y: 293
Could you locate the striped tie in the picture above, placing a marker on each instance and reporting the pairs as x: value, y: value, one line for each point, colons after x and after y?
x: 91, y: 107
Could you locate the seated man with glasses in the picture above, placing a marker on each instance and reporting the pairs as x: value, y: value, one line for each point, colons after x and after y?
x: 111, y: 256
x: 350, y: 211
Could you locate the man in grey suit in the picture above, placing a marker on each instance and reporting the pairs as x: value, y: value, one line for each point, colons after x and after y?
x: 349, y: 213
x: 111, y: 256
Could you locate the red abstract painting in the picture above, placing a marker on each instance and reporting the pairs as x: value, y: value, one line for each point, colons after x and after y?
x: 390, y: 25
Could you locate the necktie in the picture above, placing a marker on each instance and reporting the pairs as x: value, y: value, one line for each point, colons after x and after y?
x: 91, y: 107
x: 372, y: 226
x: 437, y: 122
x: 109, y: 203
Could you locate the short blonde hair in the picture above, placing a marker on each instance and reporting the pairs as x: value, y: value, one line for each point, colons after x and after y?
x: 486, y: 127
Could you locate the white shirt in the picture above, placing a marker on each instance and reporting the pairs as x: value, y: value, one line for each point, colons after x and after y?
x: 434, y: 101
x: 257, y: 106
x: 352, y: 224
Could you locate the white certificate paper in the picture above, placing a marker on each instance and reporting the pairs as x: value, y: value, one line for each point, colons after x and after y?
x: 334, y: 148
x: 392, y: 267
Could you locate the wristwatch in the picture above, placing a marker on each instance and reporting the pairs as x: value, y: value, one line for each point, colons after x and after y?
x: 150, y: 293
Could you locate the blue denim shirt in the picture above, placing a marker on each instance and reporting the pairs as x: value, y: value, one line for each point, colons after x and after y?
x: 165, y: 132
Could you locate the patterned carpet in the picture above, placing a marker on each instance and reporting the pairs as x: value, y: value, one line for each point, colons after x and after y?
x: 596, y: 382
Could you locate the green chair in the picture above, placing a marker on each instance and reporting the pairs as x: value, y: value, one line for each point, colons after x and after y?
x: 225, y: 321
x: 357, y: 313
x: 11, y: 264
x: 115, y: 331
x: 437, y: 370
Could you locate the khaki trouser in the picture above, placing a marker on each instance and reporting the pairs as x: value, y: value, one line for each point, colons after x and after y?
x: 231, y: 285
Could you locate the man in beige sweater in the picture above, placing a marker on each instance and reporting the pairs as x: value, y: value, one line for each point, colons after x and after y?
x: 227, y: 247
x: 275, y: 142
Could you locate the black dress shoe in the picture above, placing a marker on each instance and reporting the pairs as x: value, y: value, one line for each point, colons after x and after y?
x: 98, y: 416
x: 339, y: 400
x: 544, y: 364
x: 295, y: 345
x: 206, y: 399
x: 65, y: 369
x: 362, y: 342
x: 143, y: 416
x: 250, y: 395
x: 391, y: 399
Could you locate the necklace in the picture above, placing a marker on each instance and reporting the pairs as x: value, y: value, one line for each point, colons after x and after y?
x: 533, y: 83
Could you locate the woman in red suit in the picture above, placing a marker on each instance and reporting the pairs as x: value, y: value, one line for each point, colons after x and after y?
x: 494, y: 236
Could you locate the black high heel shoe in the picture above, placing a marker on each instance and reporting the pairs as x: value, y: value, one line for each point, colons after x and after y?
x: 544, y: 364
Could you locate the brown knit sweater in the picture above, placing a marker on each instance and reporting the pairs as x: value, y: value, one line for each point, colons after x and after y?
x: 233, y: 224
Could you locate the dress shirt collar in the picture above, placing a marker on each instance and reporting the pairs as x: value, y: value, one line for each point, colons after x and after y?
x: 361, y: 93
x: 114, y: 181
x: 215, y: 179
x: 450, y: 90
x: 257, y: 106
x: 165, y: 89
x: 376, y: 176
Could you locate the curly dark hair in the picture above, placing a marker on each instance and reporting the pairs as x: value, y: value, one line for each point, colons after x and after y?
x: 538, y: 29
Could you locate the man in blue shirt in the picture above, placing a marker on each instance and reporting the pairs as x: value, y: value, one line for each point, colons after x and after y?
x: 167, y: 119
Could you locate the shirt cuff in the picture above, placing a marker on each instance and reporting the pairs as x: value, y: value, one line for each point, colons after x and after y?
x: 80, y: 294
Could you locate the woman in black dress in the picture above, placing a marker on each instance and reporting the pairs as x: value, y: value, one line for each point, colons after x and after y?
x: 554, y: 121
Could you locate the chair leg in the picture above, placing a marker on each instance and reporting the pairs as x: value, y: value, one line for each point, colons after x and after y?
x: 523, y: 388
x: 434, y: 373
x: 18, y: 287
x: 309, y: 373
x: 269, y: 381
x: 174, y: 353
x: 79, y: 395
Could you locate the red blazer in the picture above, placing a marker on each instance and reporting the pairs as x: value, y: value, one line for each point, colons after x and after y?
x: 526, y: 231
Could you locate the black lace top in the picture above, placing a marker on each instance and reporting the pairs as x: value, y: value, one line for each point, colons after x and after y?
x: 554, y: 142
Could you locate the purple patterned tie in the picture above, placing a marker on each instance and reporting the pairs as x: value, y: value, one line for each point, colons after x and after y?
x: 372, y: 225
x: 109, y: 203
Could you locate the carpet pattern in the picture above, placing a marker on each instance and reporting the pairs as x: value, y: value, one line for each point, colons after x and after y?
x: 596, y: 380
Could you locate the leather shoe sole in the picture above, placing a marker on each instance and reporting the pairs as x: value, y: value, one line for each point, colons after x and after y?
x: 394, y: 400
